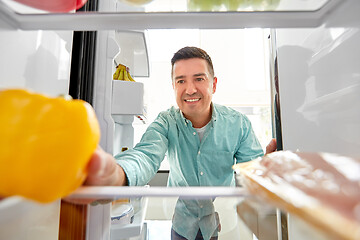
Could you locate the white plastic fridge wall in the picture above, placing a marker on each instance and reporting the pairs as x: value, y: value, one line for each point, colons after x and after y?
x: 40, y: 61
x: 37, y: 60
x: 24, y: 219
x: 319, y: 84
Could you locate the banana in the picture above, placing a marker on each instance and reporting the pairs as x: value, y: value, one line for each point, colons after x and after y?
x: 131, y: 79
x: 121, y: 66
x: 121, y: 75
x: 116, y: 74
x: 126, y: 74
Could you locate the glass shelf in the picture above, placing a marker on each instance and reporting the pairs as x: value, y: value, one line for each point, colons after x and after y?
x: 154, y: 6
x: 204, y: 207
x: 113, y: 193
x: 165, y: 14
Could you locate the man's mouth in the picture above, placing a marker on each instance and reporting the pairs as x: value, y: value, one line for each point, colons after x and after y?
x: 192, y: 100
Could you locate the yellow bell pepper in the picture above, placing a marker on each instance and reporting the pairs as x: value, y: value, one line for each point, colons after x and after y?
x: 45, y: 144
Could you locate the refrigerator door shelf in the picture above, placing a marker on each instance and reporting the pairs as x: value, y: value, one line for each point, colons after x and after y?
x: 135, y: 228
x: 127, y: 99
x: 122, y: 214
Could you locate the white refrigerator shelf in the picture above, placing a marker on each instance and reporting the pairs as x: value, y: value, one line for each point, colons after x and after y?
x: 107, y: 192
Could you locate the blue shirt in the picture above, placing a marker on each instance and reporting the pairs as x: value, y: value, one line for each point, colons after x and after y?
x: 228, y: 139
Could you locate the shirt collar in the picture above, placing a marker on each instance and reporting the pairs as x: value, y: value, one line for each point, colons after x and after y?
x: 213, y: 115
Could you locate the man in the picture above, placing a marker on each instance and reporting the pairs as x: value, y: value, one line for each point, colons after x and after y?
x: 202, y: 140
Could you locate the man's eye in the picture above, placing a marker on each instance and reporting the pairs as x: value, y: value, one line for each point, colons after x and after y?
x: 199, y: 79
x: 180, y: 81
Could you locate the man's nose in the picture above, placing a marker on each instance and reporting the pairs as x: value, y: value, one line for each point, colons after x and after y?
x: 190, y: 88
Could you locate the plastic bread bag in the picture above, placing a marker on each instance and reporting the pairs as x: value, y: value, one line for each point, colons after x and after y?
x: 321, y: 188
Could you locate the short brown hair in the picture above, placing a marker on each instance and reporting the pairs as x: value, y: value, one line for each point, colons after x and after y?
x: 192, y: 52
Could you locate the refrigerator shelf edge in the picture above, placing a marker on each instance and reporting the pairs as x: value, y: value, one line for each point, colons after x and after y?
x: 88, y: 21
x: 96, y: 193
x: 127, y: 100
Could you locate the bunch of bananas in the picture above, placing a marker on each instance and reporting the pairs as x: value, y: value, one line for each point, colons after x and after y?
x: 122, y: 73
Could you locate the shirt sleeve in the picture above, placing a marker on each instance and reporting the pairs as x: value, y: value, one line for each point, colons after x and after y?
x: 249, y: 147
x: 141, y: 163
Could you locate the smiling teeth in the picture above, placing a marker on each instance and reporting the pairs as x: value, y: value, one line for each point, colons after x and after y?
x: 193, y: 100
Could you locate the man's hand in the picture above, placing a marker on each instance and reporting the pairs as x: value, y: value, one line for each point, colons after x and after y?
x: 271, y: 147
x: 104, y: 171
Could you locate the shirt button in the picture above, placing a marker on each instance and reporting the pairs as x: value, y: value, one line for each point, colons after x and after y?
x: 201, y: 173
x: 198, y: 152
x: 194, y: 133
x: 201, y: 206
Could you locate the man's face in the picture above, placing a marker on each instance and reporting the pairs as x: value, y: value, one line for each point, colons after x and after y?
x: 194, y: 87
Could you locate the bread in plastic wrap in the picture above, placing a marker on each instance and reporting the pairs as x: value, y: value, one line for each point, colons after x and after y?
x: 321, y: 188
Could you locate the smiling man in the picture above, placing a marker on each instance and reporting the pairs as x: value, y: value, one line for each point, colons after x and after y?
x: 202, y: 140
x: 194, y: 85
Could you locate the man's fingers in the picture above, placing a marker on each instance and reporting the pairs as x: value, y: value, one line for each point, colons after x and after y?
x: 96, y: 168
x: 104, y: 171
x: 271, y: 147
x: 96, y: 164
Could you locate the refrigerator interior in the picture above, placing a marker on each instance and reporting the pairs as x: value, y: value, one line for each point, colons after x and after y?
x: 318, y: 59
x: 318, y: 72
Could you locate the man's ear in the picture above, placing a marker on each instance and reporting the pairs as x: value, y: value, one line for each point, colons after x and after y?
x: 214, y: 84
